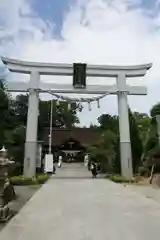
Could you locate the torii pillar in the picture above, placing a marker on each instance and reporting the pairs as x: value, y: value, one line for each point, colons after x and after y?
x: 30, y: 157
x: 124, y: 128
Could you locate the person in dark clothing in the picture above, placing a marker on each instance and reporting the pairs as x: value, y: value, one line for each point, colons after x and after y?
x: 98, y: 167
x: 94, y: 170
x: 54, y: 167
x: 89, y: 165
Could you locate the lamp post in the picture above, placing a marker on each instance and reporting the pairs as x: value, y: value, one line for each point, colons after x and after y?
x: 50, y: 128
x: 48, y: 164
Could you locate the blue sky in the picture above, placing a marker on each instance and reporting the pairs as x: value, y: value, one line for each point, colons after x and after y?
x: 55, y: 10
x: 52, y: 10
x: 119, y: 32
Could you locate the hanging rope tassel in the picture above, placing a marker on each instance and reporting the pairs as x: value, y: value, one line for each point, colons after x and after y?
x: 80, y: 107
x: 69, y: 106
x: 98, y: 104
x: 89, y: 106
x: 57, y: 103
x: 79, y: 100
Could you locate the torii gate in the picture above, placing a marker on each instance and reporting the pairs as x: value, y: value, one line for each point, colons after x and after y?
x: 121, y: 89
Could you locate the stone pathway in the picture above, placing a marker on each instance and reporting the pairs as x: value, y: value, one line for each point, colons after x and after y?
x: 24, y: 193
x: 74, y: 206
x: 149, y: 191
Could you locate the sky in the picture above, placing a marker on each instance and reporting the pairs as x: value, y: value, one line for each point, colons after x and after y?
x: 119, y: 32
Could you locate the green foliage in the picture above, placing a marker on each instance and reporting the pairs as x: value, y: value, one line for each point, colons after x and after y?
x: 94, y: 127
x: 42, y: 178
x: 107, y: 149
x: 4, y: 104
x: 116, y: 163
x: 22, y: 181
x: 143, y: 122
x: 155, y: 110
x: 119, y: 179
x: 151, y: 138
x: 20, y: 107
x: 104, y: 150
x: 14, y: 141
x: 62, y: 117
x: 108, y: 122
x: 14, y: 119
x: 136, y: 143
x: 25, y: 181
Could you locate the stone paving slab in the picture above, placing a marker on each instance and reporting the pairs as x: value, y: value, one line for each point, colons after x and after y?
x: 152, y: 192
x: 85, y: 208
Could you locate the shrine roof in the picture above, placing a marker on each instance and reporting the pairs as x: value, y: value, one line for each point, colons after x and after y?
x: 85, y: 136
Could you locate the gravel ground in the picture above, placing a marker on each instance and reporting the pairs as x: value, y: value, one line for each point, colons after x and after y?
x: 24, y: 193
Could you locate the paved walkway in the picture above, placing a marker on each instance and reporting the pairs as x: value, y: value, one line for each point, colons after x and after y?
x: 150, y: 191
x: 73, y: 206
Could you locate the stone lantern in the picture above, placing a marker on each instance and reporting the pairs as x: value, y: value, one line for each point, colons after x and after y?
x: 5, y: 212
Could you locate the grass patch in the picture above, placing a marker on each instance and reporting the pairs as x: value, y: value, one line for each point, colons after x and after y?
x: 26, y: 181
x: 120, y: 179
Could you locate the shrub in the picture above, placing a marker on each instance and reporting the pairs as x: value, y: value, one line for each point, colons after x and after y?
x: 21, y: 180
x: 26, y: 181
x: 42, y: 178
x: 120, y: 179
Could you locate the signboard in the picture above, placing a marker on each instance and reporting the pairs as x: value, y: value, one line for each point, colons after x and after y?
x: 48, y: 163
x: 79, y: 75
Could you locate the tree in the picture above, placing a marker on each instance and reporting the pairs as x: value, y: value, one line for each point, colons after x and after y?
x: 17, y: 112
x: 136, y: 143
x: 62, y: 117
x: 143, y: 122
x: 93, y: 126
x: 155, y: 110
x: 116, y: 163
x: 108, y: 122
x: 20, y: 106
x: 152, y: 139
x: 4, y: 105
x: 104, y: 150
x: 13, y: 120
x: 14, y: 141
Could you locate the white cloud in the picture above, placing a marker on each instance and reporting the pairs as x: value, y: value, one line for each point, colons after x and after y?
x: 93, y: 31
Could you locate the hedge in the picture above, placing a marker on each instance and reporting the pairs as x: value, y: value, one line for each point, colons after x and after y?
x: 120, y: 179
x: 24, y: 181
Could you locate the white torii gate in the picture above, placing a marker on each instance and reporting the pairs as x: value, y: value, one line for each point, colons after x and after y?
x: 121, y: 89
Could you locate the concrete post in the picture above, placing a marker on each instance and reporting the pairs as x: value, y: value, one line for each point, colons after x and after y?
x: 32, y: 124
x: 124, y: 130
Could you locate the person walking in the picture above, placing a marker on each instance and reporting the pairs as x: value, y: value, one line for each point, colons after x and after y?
x: 86, y: 160
x: 60, y: 161
x: 54, y: 167
x: 94, y: 170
